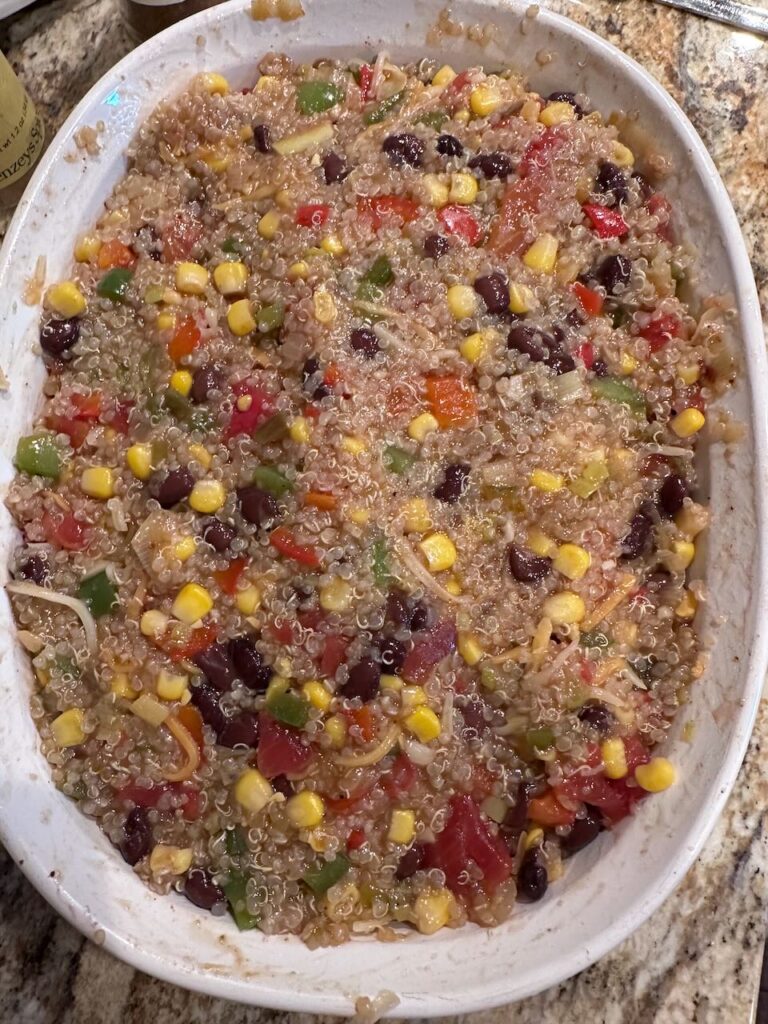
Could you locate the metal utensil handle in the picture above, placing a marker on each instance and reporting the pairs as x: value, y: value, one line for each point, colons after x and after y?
x: 728, y: 11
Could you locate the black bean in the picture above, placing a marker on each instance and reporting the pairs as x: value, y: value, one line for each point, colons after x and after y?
x: 171, y: 488
x: 218, y: 534
x: 560, y: 362
x: 493, y: 289
x: 56, y: 336
x: 262, y: 136
x: 216, y: 665
x: 453, y: 484
x: 398, y: 608
x: 646, y: 189
x: 249, y: 663
x: 391, y: 655
x: 532, y: 877
x: 574, y: 319
x: 657, y: 580
x: 517, y: 816
x: 529, y: 340
x: 363, y: 680
x: 566, y: 97
x: 240, y: 730
x: 435, y: 246
x: 207, y: 701
x: 638, y: 539
x: 596, y: 715
x: 257, y: 506
x: 614, y: 272
x: 613, y: 182
x: 334, y: 169
x: 672, y: 494
x: 364, y: 341
x: 527, y: 567
x: 583, y: 832
x: 311, y: 379
x: 200, y: 889
x: 419, y: 617
x: 137, y: 836
x: 404, y: 149
x: 492, y: 165
x: 204, y: 380
x: 282, y: 784
x: 34, y: 568
x: 600, y: 368
x: 410, y: 862
x: 474, y: 715
x: 449, y: 145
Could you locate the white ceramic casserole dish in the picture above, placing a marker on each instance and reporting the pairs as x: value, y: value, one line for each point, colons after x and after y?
x: 610, y: 888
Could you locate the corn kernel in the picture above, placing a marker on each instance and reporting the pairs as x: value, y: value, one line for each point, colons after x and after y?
x: 121, y: 687
x: 169, y: 860
x: 462, y: 301
x: 540, y: 543
x: 299, y: 430
x: 181, y: 381
x: 171, y: 686
x: 453, y: 586
x: 614, y: 758
x: 564, y: 609
x: 265, y: 82
x: 530, y: 109
x: 412, y: 697
x: 423, y: 723
x: 325, y: 306
x: 432, y: 910
x: 297, y: 270
x: 165, y: 321
x: 656, y: 776
x: 484, y: 100
x: 692, y: 519
x: 681, y: 555
x: 269, y: 224
x: 216, y: 159
x: 207, y: 496
x: 416, y: 517
x: 284, y: 199
x: 627, y: 364
x: 557, y: 113
x: 422, y: 425
x: 184, y: 548
x: 214, y: 83
x: 240, y: 318
x: 402, y: 826
x: 335, y: 596
x: 66, y: 299
x: 444, y: 76
x: 439, y: 551
x: 333, y: 245
x: 336, y: 727
x: 521, y: 298
x: 68, y: 729
x: 201, y: 454
x: 534, y: 837
x: 305, y: 809
x: 394, y: 683
x: 153, y: 623
x: 354, y: 445
x: 542, y: 255
x: 248, y: 600
x: 461, y: 116
x: 252, y: 791
x: 686, y: 608
x: 98, y: 482
x: 317, y: 695
x: 622, y: 155
x: 470, y: 649
x: 464, y: 188
x: 436, y: 190
x: 192, y: 602
x: 475, y: 346
x: 87, y: 248
x: 359, y: 516
x: 572, y: 561
x: 191, y: 279
x: 545, y: 481
x: 230, y: 278
x: 688, y: 422
x: 689, y: 374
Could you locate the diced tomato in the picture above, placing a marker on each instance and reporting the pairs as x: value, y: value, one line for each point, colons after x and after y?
x: 429, y: 648
x: 635, y: 752
x: 228, y: 578
x: 320, y: 499
x: 76, y: 430
x: 312, y: 411
x: 87, y: 407
x: 377, y: 208
x: 546, y: 810
x: 356, y: 839
x: 606, y: 222
x: 192, y: 721
x: 466, y: 837
x: 455, y: 86
x: 182, y: 644
x: 312, y: 215
x: 345, y: 804
x: 457, y: 220
x: 661, y: 208
x: 512, y: 231
x: 614, y: 797
x: 185, y: 339
x: 452, y: 401
x: 311, y: 618
x: 400, y: 398
x: 150, y: 796
x: 334, y: 653
x: 120, y: 418
x: 364, y: 720
x: 281, y: 750
x: 64, y: 531
x: 590, y: 300
x: 282, y: 632
x: 181, y: 236
x: 659, y: 331
x: 283, y: 540
x: 365, y: 77
x: 245, y: 421
x: 400, y: 778
x: 115, y: 254
x: 539, y: 152
x: 586, y: 353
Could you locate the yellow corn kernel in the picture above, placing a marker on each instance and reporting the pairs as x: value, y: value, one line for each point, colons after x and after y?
x: 530, y: 109
x: 432, y: 910
x: 317, y: 695
x: 614, y: 758
x: 335, y: 596
x: 453, y: 586
x: 336, y: 727
x: 572, y: 561
x: 207, y: 496
x: 201, y: 454
x: 245, y: 133
x: 534, y: 837
x: 248, y: 600
x: 306, y: 809
x: 692, y: 519
x: 354, y: 445
x: 461, y: 116
x: 191, y: 279
x: 689, y: 374
x: 181, y: 381
x: 402, y: 826
x: 681, y: 555
x: 688, y: 422
x: 483, y: 100
x: 564, y: 609
x: 165, y: 321
x: 153, y: 623
x: 214, y: 83
x: 87, y: 248
x: 686, y: 608
x: 68, y: 729
x: 416, y: 517
x: 463, y: 188
x: 284, y: 198
x: 359, y: 516
x: 333, y: 245
x: 541, y: 543
x: 627, y: 364
x: 297, y: 270
x: 556, y: 113
x: 444, y: 76
x: 439, y: 551
x: 184, y: 548
x: 325, y: 306
x: 240, y: 318
x: 475, y: 346
x: 412, y: 697
x: 216, y: 159
x: 169, y: 860
x: 269, y: 224
x: 171, y: 686
x: 230, y: 278
x: 252, y: 791
x: 470, y: 649
x: 98, y: 482
x: 394, y: 683
x: 656, y: 776
x: 545, y: 481
x: 436, y: 190
x: 422, y: 425
x: 542, y: 255
x: 521, y: 298
x: 66, y: 299
x: 423, y: 723
x: 299, y: 430
x: 192, y: 602
x: 462, y: 301
x: 622, y: 155
x: 121, y: 687
x: 265, y: 82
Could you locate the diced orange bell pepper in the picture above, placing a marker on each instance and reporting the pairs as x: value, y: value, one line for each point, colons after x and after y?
x: 181, y: 643
x: 589, y: 300
x: 363, y: 719
x: 451, y: 400
x: 228, y: 578
x: 185, y: 339
x: 115, y: 254
x: 548, y: 811
x: 319, y: 499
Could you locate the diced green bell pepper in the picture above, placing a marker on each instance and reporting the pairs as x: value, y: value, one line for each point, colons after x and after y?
x: 619, y: 317
x: 618, y: 391
x: 398, y: 460
x: 315, y: 97
x: 321, y: 879
x: 99, y: 593
x: 377, y: 115
x: 380, y: 562
x: 540, y: 739
x: 235, y: 891
x: 270, y: 318
x: 232, y: 246
x: 288, y: 708
x: 273, y: 429
x: 378, y: 276
x: 272, y: 481
x: 114, y: 284
x: 38, y: 455
x: 234, y: 842
x: 433, y: 119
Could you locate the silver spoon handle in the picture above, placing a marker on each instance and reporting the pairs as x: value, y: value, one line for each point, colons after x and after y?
x: 730, y: 12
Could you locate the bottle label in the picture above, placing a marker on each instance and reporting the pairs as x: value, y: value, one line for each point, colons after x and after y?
x: 21, y: 128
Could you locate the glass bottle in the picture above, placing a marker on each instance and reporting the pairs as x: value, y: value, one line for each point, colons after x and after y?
x: 22, y: 136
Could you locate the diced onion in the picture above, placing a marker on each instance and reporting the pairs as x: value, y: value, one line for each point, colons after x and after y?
x: 149, y: 709
x: 187, y: 743
x: 370, y: 1011
x: 78, y: 607
x: 418, y: 753
x: 378, y: 72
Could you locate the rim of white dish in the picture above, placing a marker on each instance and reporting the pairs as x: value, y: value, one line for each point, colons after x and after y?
x: 639, y: 910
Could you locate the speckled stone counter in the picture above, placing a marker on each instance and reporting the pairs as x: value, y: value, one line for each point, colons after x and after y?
x: 698, y: 959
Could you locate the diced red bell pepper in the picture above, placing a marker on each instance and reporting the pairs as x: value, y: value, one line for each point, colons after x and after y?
x: 283, y: 540
x: 539, y: 152
x: 87, y: 407
x: 466, y: 837
x: 114, y: 253
x: 377, y: 208
x: 429, y: 648
x: 228, y: 578
x: 511, y: 232
x: 364, y: 720
x: 281, y: 750
x: 245, y: 421
x: 345, y: 804
x: 659, y: 331
x: 312, y: 411
x: 183, y: 644
x: 312, y: 215
x: 76, y: 430
x: 185, y: 339
x: 452, y: 401
x: 586, y: 353
x: 64, y: 531
x: 400, y: 778
x: 546, y: 810
x: 591, y: 301
x: 364, y: 79
x: 606, y: 222
x: 181, y: 236
x: 150, y: 796
x: 334, y: 653
x: 356, y: 839
x: 457, y: 220
x: 660, y: 207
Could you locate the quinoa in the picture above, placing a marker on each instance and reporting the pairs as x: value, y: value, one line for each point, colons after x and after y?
x: 365, y: 477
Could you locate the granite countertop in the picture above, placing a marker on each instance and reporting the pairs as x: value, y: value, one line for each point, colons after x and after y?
x: 698, y: 959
